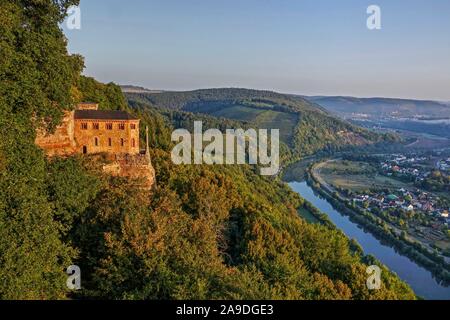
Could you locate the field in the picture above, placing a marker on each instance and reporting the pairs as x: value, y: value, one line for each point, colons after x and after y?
x: 262, y: 118
x: 286, y: 122
x: 237, y: 112
x: 427, y: 141
x: 356, y: 176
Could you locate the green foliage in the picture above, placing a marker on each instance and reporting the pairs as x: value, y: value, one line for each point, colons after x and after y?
x: 36, y: 79
x: 108, y: 96
x: 70, y: 189
x: 437, y: 181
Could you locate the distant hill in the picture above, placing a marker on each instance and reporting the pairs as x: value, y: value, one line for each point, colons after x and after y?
x: 136, y: 89
x: 305, y: 127
x: 382, y: 108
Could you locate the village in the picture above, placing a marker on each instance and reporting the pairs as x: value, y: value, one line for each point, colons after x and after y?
x: 413, y: 167
x: 399, y: 189
x: 419, y: 212
x: 402, y: 201
x: 409, y: 168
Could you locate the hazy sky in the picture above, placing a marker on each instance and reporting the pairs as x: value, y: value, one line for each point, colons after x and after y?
x: 313, y: 47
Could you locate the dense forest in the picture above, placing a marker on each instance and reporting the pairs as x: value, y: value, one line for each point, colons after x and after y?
x: 206, y: 232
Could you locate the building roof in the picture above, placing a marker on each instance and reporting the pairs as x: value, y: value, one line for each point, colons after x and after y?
x: 103, y: 115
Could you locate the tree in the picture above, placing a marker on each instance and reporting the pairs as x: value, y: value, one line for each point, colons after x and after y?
x: 36, y: 78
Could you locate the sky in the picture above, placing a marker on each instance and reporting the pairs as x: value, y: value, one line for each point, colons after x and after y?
x: 310, y: 47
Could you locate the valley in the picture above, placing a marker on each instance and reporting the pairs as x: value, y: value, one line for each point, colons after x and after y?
x: 309, y: 135
x: 188, y: 186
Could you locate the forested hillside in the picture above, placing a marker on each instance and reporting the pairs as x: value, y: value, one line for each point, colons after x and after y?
x: 206, y: 232
x: 220, y: 232
x: 305, y: 128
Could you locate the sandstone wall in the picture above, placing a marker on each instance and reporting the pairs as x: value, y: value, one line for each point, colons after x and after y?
x: 92, y: 140
x: 62, y: 141
x: 124, y: 159
x: 136, y: 167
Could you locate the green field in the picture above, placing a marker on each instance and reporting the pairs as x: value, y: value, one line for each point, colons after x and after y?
x: 238, y: 112
x: 360, y: 183
x: 286, y: 122
x: 263, y: 118
x: 357, y: 177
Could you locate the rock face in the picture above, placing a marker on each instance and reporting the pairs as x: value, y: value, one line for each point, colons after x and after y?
x: 137, y: 167
x: 112, y: 133
x: 62, y: 142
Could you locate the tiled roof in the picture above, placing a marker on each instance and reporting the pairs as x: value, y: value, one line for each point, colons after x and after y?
x: 103, y: 115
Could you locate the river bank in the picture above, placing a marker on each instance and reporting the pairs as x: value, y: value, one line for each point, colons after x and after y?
x: 414, y: 250
x: 420, y: 279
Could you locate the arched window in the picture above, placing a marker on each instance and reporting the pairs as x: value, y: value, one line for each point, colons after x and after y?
x: 133, y: 143
x: 122, y: 142
x: 110, y: 142
x: 96, y: 142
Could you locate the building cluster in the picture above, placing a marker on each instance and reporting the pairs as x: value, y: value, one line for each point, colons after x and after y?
x: 444, y: 165
x: 406, y: 201
x: 408, y: 166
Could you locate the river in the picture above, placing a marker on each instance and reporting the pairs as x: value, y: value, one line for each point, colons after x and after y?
x: 420, y: 280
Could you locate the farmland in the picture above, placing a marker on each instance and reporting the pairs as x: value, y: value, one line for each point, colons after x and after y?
x: 356, y: 176
x: 262, y: 117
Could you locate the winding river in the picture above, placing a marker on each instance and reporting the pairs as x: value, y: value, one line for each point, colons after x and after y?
x: 417, y: 277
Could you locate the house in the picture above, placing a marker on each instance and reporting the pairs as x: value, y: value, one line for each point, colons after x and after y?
x: 408, y: 208
x: 115, y: 134
x: 98, y: 131
x: 88, y: 130
x: 417, y: 204
x: 392, y: 197
x: 427, y: 207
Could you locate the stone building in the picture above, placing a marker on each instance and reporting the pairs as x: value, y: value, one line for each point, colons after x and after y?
x: 88, y: 130
x: 98, y: 131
